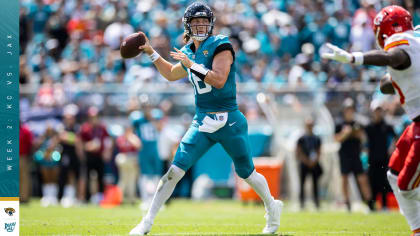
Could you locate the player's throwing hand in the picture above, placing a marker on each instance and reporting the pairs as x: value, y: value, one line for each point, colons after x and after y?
x: 180, y: 56
x: 146, y: 47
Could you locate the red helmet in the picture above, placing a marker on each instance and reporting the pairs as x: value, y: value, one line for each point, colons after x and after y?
x: 391, y: 20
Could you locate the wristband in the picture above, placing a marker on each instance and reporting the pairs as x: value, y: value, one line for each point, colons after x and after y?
x: 358, y: 58
x: 199, y: 70
x: 154, y: 56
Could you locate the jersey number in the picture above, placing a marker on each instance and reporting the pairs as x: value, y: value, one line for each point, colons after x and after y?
x: 200, y: 86
x: 148, y: 132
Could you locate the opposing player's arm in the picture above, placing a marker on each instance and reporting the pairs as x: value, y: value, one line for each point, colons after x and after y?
x: 396, y: 58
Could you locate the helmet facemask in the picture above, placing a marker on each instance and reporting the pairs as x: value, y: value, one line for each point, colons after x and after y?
x: 195, y: 28
x: 194, y: 11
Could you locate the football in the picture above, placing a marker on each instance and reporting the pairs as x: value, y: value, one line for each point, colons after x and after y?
x: 130, y: 46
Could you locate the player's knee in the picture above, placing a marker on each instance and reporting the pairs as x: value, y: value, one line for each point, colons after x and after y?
x: 244, y: 171
x: 243, y: 166
x: 174, y: 174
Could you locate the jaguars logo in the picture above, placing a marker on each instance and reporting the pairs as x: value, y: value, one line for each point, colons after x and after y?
x: 10, y: 211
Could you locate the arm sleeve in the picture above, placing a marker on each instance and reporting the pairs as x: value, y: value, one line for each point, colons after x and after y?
x: 224, y: 46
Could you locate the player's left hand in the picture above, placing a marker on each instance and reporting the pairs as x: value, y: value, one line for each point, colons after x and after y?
x: 180, y: 56
x: 337, y: 54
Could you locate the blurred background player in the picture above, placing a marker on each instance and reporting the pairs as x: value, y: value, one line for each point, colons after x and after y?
x: 97, y: 146
x: 351, y: 136
x: 48, y: 156
x: 70, y: 157
x: 380, y: 141
x: 146, y: 125
x: 308, y: 152
x: 217, y: 118
x: 400, y: 52
x: 128, y: 146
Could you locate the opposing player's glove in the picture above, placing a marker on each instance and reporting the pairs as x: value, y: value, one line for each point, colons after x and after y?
x: 343, y: 56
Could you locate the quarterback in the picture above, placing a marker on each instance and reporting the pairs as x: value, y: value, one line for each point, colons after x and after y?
x: 208, y: 61
x: 400, y: 45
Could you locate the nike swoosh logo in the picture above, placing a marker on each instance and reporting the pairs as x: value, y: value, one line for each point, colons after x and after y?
x: 230, y: 124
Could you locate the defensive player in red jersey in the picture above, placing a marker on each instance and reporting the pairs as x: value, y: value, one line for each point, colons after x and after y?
x: 400, y: 45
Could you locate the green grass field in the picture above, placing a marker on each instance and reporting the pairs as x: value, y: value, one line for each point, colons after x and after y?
x: 185, y: 217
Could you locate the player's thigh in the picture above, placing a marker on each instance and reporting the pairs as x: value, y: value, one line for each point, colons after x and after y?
x: 397, y: 160
x: 193, y: 145
x: 409, y: 177
x: 236, y: 144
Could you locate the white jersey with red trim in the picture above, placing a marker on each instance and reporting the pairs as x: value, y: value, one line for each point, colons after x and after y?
x: 407, y: 82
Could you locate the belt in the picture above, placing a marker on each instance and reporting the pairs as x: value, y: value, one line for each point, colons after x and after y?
x: 417, y: 119
x: 216, y: 112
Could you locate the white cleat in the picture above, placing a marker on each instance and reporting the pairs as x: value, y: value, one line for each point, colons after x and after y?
x: 273, y: 217
x: 143, y: 228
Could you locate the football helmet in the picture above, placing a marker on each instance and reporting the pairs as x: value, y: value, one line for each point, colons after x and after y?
x: 391, y: 20
x: 198, y: 10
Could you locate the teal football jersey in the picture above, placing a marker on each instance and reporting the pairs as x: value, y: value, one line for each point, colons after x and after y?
x: 207, y: 97
x: 147, y: 133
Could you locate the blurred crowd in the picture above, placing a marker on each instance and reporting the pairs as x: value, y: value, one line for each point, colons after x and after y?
x: 277, y: 42
x: 70, y: 44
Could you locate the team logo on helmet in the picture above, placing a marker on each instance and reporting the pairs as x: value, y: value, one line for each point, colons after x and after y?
x: 379, y: 18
